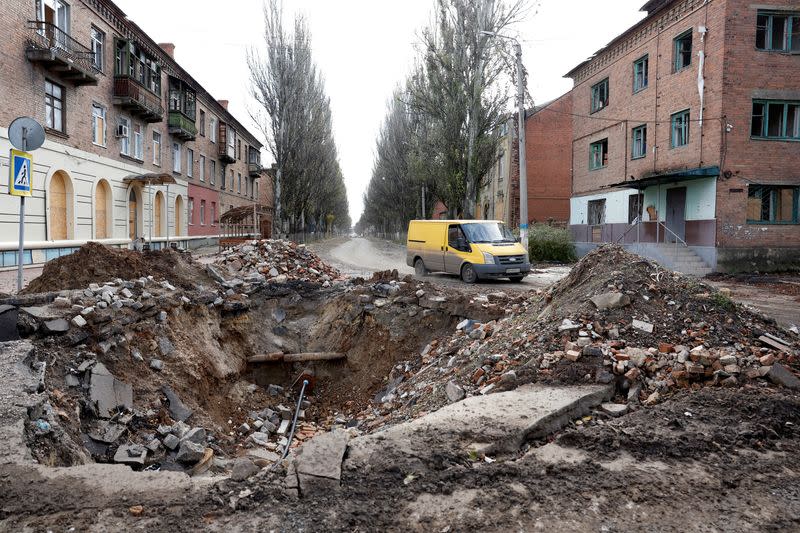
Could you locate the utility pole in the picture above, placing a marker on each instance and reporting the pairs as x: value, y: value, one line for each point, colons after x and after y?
x: 523, y: 170
x: 523, y: 167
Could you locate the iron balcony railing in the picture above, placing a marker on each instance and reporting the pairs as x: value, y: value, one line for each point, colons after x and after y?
x: 47, y: 36
x: 131, y: 93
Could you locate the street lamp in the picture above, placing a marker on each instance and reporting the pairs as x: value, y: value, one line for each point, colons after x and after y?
x: 523, y: 168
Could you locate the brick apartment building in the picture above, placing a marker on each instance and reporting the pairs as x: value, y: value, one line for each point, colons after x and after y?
x: 687, y: 130
x: 135, y: 146
x: 548, y: 130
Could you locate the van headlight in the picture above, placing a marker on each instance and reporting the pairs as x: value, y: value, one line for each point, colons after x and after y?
x: 488, y: 258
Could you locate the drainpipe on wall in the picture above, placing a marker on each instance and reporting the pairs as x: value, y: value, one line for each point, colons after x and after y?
x: 701, y: 82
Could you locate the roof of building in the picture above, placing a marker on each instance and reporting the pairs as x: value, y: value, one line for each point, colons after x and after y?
x: 120, y: 21
x: 651, y: 8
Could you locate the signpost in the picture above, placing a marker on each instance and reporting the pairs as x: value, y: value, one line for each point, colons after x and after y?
x: 25, y: 134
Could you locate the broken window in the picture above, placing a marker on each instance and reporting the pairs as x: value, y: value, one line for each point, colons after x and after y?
x: 600, y: 95
x: 639, y: 142
x: 778, y: 31
x: 772, y: 204
x: 775, y: 119
x: 683, y: 50
x: 635, y: 202
x: 597, y: 212
x: 598, y: 154
x: 680, y: 129
x: 640, y: 74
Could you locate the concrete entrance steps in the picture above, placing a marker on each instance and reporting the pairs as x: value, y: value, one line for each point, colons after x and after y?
x: 679, y: 258
x: 682, y: 259
x: 492, y: 424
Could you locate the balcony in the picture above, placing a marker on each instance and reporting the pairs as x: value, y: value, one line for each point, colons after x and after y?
x: 254, y: 169
x: 130, y: 95
x: 227, y: 146
x: 59, y: 53
x: 182, y: 126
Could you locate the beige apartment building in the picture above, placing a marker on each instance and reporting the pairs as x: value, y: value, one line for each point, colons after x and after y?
x: 135, y: 147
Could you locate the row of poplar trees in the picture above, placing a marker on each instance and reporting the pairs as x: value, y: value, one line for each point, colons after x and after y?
x: 294, y: 114
x: 441, y: 130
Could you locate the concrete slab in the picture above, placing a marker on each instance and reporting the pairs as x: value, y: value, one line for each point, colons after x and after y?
x: 495, y: 424
x: 319, y: 462
x: 15, y: 400
x: 107, y: 392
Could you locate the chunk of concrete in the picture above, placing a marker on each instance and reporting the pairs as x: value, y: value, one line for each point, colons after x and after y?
x: 780, y: 375
x: 165, y: 346
x: 614, y: 409
x: 196, y: 435
x: 131, y: 455
x: 177, y: 410
x: 500, y: 422
x: 190, y: 452
x: 454, y: 392
x: 108, y: 432
x: 107, y: 393
x: 642, y: 326
x: 243, y: 468
x: 55, y: 327
x: 319, y: 461
x: 610, y: 300
x: 171, y: 441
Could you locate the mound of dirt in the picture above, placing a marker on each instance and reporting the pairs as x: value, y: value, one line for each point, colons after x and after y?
x: 616, y: 318
x: 96, y: 263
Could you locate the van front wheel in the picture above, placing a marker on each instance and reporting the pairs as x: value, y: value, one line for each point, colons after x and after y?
x: 468, y: 274
x: 419, y: 268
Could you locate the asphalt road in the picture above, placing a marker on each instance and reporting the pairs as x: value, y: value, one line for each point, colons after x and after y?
x: 361, y: 257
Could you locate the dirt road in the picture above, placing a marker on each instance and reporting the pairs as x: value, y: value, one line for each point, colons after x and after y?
x: 361, y: 257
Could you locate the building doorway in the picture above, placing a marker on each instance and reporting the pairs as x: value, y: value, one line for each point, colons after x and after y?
x: 133, y: 215
x: 676, y: 214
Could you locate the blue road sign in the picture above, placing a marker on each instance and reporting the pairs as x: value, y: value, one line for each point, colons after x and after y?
x: 20, y: 179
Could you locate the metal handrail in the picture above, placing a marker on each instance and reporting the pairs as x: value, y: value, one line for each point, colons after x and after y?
x: 677, y: 238
x: 48, y: 36
x: 628, y: 231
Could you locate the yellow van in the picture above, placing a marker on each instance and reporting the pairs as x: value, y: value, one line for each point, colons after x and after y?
x: 473, y: 249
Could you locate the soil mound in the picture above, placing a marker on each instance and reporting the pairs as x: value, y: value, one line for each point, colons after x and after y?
x: 97, y: 263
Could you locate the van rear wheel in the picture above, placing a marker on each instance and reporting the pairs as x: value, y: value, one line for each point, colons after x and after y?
x: 419, y: 268
x: 468, y: 274
x: 516, y: 279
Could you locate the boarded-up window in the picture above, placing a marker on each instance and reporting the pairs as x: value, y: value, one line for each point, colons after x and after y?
x: 58, y: 207
x: 159, y: 206
x: 772, y: 204
x: 101, y: 215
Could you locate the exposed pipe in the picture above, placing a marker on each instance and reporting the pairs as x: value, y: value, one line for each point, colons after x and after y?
x: 294, y: 420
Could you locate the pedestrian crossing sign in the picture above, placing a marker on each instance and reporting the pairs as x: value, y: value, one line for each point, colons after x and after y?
x: 20, y: 181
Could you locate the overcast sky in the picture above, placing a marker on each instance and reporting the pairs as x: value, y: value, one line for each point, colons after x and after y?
x: 365, y: 48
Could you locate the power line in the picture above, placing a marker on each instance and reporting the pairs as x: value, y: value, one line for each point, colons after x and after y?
x: 609, y: 119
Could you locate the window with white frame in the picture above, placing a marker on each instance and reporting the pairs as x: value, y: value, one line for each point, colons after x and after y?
x: 176, y: 157
x: 98, y: 47
x: 202, y: 212
x: 680, y: 129
x: 202, y: 167
x: 138, y: 142
x: 124, y: 134
x: 98, y: 125
x: 212, y: 172
x: 212, y: 129
x: 189, y: 162
x: 157, y: 148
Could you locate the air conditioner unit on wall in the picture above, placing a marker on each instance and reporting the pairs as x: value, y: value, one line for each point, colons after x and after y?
x: 122, y: 130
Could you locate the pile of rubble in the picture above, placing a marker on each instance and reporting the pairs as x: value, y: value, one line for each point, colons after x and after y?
x: 617, y: 318
x: 278, y: 261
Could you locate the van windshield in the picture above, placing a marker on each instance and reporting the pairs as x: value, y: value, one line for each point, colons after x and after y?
x: 486, y: 232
